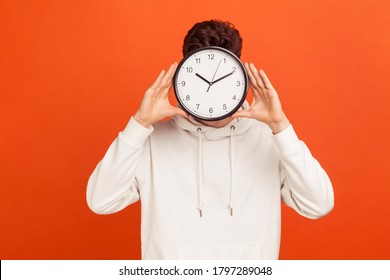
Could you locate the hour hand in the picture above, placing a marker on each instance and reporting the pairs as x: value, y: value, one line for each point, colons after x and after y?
x: 203, y: 79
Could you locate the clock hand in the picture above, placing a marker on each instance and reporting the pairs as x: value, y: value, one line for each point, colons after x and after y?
x: 223, y: 77
x: 212, y: 80
x: 202, y: 78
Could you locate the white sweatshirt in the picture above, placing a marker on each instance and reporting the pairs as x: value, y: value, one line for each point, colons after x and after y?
x: 209, y: 193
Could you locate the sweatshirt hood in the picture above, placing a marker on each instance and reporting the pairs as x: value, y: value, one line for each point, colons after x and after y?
x: 192, y: 125
x: 208, y: 133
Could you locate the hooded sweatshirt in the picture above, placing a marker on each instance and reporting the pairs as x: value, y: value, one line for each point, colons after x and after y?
x: 209, y: 193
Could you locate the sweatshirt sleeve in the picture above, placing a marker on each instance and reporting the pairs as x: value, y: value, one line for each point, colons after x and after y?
x: 305, y: 185
x: 115, y: 182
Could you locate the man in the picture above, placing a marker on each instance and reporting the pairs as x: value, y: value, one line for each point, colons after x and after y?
x: 210, y: 190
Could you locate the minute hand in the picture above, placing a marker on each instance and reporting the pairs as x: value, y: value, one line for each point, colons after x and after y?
x: 223, y: 77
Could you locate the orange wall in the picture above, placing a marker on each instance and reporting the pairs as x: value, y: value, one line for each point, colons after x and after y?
x: 72, y: 72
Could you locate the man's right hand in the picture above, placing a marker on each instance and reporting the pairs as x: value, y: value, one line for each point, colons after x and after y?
x: 155, y: 105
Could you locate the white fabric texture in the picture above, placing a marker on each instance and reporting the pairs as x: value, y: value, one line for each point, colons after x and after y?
x: 209, y: 193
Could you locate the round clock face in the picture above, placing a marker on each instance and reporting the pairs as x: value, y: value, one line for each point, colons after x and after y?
x: 211, y: 83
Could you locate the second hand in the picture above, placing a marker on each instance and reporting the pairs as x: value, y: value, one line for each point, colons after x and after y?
x: 212, y: 80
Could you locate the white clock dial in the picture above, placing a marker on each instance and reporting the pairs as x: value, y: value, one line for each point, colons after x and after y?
x: 211, y: 83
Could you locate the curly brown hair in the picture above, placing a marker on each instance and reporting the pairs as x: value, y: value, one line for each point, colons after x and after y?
x: 213, y: 33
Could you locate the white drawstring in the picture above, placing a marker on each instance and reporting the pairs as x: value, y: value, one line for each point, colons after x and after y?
x: 200, y: 172
x: 231, y: 202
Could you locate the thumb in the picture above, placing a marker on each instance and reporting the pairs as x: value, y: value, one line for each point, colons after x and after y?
x: 242, y: 114
x: 178, y: 111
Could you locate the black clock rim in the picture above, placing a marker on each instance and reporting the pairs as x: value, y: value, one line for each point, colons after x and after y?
x: 202, y: 117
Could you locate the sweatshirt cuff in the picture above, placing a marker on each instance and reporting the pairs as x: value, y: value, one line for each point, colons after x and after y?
x: 286, y: 141
x: 136, y: 134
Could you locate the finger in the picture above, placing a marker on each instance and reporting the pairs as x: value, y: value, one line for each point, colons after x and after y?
x: 265, y: 79
x: 167, y: 79
x: 242, y: 114
x: 164, y: 92
x: 263, y: 91
x: 256, y: 90
x: 178, y: 111
x: 252, y: 81
x: 157, y: 82
x: 257, y: 94
x: 167, y: 82
x: 251, y: 77
x: 257, y: 77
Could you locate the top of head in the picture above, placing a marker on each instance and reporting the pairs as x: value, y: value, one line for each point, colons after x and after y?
x: 213, y: 33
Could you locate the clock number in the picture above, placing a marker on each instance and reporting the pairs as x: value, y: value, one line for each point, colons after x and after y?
x: 197, y: 60
x: 238, y: 83
x: 183, y: 83
x: 224, y: 60
x: 189, y: 69
x: 211, y: 110
x: 234, y: 97
x: 211, y: 56
x: 197, y: 106
x: 188, y: 97
x: 224, y: 106
x: 234, y: 69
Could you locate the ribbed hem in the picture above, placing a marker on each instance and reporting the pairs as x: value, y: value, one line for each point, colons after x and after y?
x: 286, y: 141
x: 136, y: 134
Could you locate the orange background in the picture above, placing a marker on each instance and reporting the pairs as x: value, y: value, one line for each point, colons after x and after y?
x: 73, y: 72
